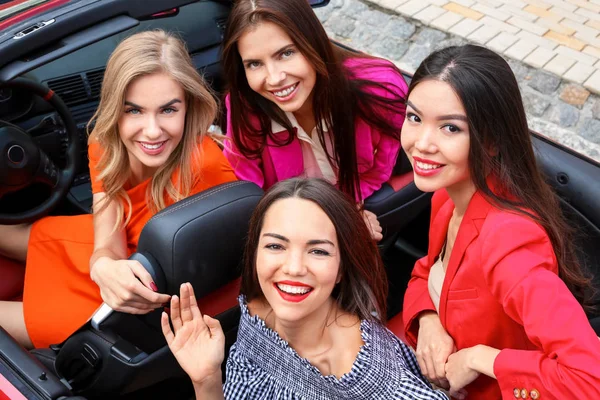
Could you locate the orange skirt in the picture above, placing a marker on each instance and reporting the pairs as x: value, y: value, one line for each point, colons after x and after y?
x: 59, y: 295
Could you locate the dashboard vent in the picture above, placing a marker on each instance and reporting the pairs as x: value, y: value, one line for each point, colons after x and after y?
x: 95, y: 81
x: 71, y: 89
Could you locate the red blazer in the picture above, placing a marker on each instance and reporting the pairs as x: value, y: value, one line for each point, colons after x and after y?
x: 502, y: 289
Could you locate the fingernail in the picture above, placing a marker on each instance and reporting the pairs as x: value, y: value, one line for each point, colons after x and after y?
x: 153, y: 286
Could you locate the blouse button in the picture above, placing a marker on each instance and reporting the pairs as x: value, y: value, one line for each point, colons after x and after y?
x: 524, y: 394
x: 534, y: 394
x: 517, y: 393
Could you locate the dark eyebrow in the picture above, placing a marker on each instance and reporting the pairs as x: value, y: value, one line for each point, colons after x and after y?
x: 459, y: 117
x: 128, y: 103
x: 310, y: 242
x: 281, y: 50
x: 320, y: 241
x: 276, y: 236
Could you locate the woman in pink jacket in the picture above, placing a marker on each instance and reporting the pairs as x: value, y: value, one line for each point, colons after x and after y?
x: 299, y: 106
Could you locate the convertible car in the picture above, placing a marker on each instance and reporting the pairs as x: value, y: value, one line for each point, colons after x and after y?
x: 52, y: 59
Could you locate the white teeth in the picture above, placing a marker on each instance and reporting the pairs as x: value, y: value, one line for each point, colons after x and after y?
x: 293, y: 289
x: 423, y: 165
x: 286, y: 92
x: 152, y: 146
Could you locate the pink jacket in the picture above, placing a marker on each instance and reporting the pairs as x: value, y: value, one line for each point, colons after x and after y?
x: 376, y: 152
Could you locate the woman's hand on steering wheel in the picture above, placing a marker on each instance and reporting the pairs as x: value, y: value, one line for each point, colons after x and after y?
x: 197, y: 341
x: 126, y: 286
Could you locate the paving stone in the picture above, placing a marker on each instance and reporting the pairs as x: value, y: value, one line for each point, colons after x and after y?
x: 389, y: 48
x: 464, y: 11
x: 364, y: 35
x: 574, y: 95
x: 520, y: 50
x: 484, y: 34
x: 590, y: 130
x: 522, y: 73
x: 568, y: 41
x: 354, y: 8
x: 453, y: 41
x: 374, y: 18
x: 412, y: 7
x: 415, y: 54
x: 593, y: 82
x: 544, y: 82
x: 576, y: 55
x: 465, y: 27
x: 399, y: 28
x: 502, y: 42
x: 429, y: 36
x: 446, y: 21
x: 323, y: 13
x: 341, y: 25
x: 535, y: 104
x: 559, y: 64
x: 579, y: 72
x: 520, y: 23
x: 596, y: 109
x: 539, y: 57
x: 429, y: 14
x: 564, y: 115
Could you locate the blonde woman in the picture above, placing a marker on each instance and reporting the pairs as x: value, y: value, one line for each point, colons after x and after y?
x: 148, y: 149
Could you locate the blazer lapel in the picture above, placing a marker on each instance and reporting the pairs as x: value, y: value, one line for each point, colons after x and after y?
x: 287, y: 160
x: 467, y: 232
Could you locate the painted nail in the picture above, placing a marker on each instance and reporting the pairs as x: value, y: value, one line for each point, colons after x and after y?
x: 153, y: 286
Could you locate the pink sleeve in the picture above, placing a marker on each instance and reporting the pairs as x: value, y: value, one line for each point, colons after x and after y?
x: 245, y: 169
x: 520, y: 270
x: 386, y: 148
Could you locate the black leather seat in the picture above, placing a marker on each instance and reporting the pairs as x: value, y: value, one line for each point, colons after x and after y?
x: 198, y: 240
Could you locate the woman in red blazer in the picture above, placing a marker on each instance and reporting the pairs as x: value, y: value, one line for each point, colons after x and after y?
x: 491, y: 309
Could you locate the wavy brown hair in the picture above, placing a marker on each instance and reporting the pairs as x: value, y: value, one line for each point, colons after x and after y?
x: 139, y: 55
x: 339, y: 97
x: 363, y: 285
x: 501, y: 147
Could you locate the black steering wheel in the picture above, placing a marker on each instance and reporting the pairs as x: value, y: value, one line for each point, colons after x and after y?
x: 22, y: 162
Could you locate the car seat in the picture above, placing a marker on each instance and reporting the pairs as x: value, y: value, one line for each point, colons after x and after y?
x: 198, y: 240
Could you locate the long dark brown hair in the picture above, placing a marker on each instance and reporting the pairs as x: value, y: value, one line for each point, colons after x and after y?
x: 363, y: 285
x: 339, y: 98
x: 501, y: 147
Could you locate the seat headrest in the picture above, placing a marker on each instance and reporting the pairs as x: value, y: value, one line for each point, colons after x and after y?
x: 201, y: 239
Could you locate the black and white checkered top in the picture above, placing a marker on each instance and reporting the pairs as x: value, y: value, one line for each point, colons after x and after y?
x: 262, y: 366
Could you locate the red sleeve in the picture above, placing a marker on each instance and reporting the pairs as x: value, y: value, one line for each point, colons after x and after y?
x: 520, y: 269
x: 417, y: 298
x: 94, y: 153
x: 211, y: 168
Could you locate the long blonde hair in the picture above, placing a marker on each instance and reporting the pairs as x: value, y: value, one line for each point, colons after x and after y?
x: 143, y: 54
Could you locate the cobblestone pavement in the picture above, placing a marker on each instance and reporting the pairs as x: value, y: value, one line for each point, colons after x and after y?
x: 562, y: 110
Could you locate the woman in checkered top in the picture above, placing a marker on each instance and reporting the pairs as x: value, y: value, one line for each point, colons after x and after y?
x: 313, y: 297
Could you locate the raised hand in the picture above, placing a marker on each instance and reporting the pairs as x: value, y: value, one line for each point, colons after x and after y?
x: 196, y: 341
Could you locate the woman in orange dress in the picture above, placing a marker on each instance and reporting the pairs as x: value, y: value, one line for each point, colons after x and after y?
x: 148, y: 149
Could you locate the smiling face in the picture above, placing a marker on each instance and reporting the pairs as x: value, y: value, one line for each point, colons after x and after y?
x: 276, y: 69
x: 152, y: 122
x: 297, y: 260
x: 435, y: 136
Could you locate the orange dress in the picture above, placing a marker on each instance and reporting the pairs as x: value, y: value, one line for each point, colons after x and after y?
x: 59, y: 295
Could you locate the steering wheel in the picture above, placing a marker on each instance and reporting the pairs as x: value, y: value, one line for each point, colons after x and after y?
x: 22, y: 162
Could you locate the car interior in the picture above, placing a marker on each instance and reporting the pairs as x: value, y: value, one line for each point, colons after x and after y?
x: 199, y: 239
